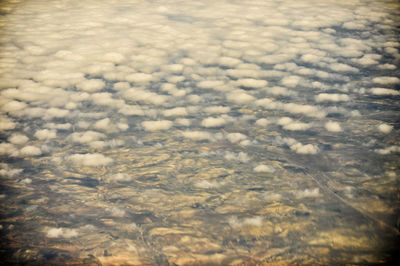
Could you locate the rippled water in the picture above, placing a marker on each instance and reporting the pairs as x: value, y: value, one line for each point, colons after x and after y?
x: 199, y: 132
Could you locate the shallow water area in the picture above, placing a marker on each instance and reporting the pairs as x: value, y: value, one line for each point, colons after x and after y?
x: 199, y: 133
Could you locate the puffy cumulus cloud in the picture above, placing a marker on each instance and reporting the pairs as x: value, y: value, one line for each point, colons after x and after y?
x: 91, y: 85
x: 45, y: 134
x: 262, y: 122
x: 213, y: 122
x: 157, y: 125
x: 239, y: 97
x: 183, y: 122
x: 234, y: 222
x: 240, y: 157
x: 251, y: 83
x: 89, y: 159
x: 211, y: 84
x: 65, y: 126
x: 104, y: 124
x: 333, y: 126
x: 127, y: 109
x: 207, y: 184
x: 280, y: 91
x: 121, y: 177
x: 217, y: 109
x: 113, y: 57
x: 388, y: 150
x: 226, y: 61
x: 6, y: 123
x: 262, y: 168
x: 52, y: 113
x: 177, y: 111
x: 139, y: 78
x: 142, y: 95
x: 5, y: 170
x: 61, y: 233
x: 385, y: 128
x: 86, y: 137
x: 305, y: 109
x: 384, y: 91
x: 197, y: 135
x: 298, y: 147
x: 115, y: 211
x: 30, y: 151
x: 386, y: 80
x: 332, y: 97
x: 291, y: 81
x: 308, y: 193
x: 284, y: 121
x: 8, y: 149
x: 236, y: 137
x: 105, y: 98
x: 13, y: 107
x: 338, y: 67
x: 18, y: 139
x: 296, y: 126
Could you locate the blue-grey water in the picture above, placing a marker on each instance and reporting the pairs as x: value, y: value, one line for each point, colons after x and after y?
x: 199, y: 132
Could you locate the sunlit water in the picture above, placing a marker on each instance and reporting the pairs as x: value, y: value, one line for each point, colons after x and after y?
x: 199, y: 132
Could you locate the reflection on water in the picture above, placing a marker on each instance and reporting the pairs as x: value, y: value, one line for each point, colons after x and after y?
x: 221, y: 132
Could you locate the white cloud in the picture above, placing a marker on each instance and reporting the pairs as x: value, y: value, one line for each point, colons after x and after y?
x: 291, y: 81
x: 385, y: 128
x: 386, y: 80
x: 157, y: 125
x: 217, y: 109
x: 207, y: 184
x: 139, y: 78
x: 61, y: 233
x: 197, y: 135
x: 86, y: 137
x: 91, y: 85
x: 105, y: 125
x: 45, y: 134
x: 298, y: 147
x: 296, y: 126
x: 6, y: 123
x: 251, y: 83
x: 338, y: 67
x: 262, y: 168
x: 384, y: 91
x: 241, y: 156
x: 332, y: 97
x: 284, y: 121
x: 239, y: 97
x: 89, y: 159
x: 121, y: 177
x: 213, y: 122
x: 8, y: 149
x: 333, y: 126
x: 30, y: 151
x: 262, y: 122
x: 308, y: 193
x: 18, y: 139
x: 177, y: 111
x: 236, y: 137
x: 55, y: 113
x: 13, y: 106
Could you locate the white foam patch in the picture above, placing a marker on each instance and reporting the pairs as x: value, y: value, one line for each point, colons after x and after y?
x: 89, y: 159
x: 333, y: 126
x: 18, y: 139
x: 262, y: 168
x: 385, y: 128
x: 213, y: 122
x: 197, y: 135
x: 157, y: 125
x: 332, y: 97
x: 384, y: 91
x: 46, y: 134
